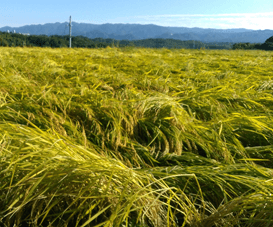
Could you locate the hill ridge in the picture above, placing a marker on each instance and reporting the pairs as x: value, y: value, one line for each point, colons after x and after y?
x: 139, y: 31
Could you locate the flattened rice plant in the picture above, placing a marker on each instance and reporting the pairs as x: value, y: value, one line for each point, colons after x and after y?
x: 135, y: 137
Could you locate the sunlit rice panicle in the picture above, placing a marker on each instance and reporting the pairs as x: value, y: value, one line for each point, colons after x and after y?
x: 135, y: 137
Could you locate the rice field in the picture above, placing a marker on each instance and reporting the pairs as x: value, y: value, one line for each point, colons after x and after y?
x: 136, y: 137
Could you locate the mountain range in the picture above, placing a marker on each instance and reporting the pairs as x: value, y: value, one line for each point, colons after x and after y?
x: 138, y: 31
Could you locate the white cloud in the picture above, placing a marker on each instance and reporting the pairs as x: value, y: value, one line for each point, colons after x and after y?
x: 232, y: 20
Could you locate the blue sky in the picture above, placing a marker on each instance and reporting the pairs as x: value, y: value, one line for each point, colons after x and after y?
x: 251, y: 14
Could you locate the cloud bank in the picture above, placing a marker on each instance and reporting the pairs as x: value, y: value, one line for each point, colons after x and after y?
x: 234, y: 20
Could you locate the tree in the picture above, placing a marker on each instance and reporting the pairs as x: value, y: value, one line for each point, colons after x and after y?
x: 54, y: 42
x: 269, y: 40
x: 3, y: 42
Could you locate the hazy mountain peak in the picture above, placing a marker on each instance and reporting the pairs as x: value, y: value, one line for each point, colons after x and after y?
x: 138, y: 31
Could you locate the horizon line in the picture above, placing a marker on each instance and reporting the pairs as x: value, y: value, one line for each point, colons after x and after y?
x: 85, y: 22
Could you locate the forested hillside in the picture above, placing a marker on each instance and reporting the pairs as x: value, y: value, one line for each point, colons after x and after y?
x: 13, y: 39
x: 267, y: 45
x: 148, y: 31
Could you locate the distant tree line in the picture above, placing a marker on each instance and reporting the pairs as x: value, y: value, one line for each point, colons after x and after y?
x: 14, y: 39
x: 56, y: 41
x: 267, y: 45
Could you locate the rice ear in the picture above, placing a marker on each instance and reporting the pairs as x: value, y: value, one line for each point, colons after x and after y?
x: 135, y: 137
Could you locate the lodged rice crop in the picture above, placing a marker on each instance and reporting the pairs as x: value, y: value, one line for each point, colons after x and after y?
x: 136, y: 137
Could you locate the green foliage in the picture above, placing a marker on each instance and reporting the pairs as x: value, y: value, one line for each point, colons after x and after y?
x: 246, y: 46
x: 84, y: 42
x: 269, y: 40
x: 267, y: 45
x: 135, y: 137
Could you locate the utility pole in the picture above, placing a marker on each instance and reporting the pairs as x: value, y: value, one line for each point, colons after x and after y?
x: 70, y: 32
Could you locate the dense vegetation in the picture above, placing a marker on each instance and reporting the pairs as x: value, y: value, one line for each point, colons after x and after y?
x: 135, y: 137
x: 267, y: 45
x: 13, y: 39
